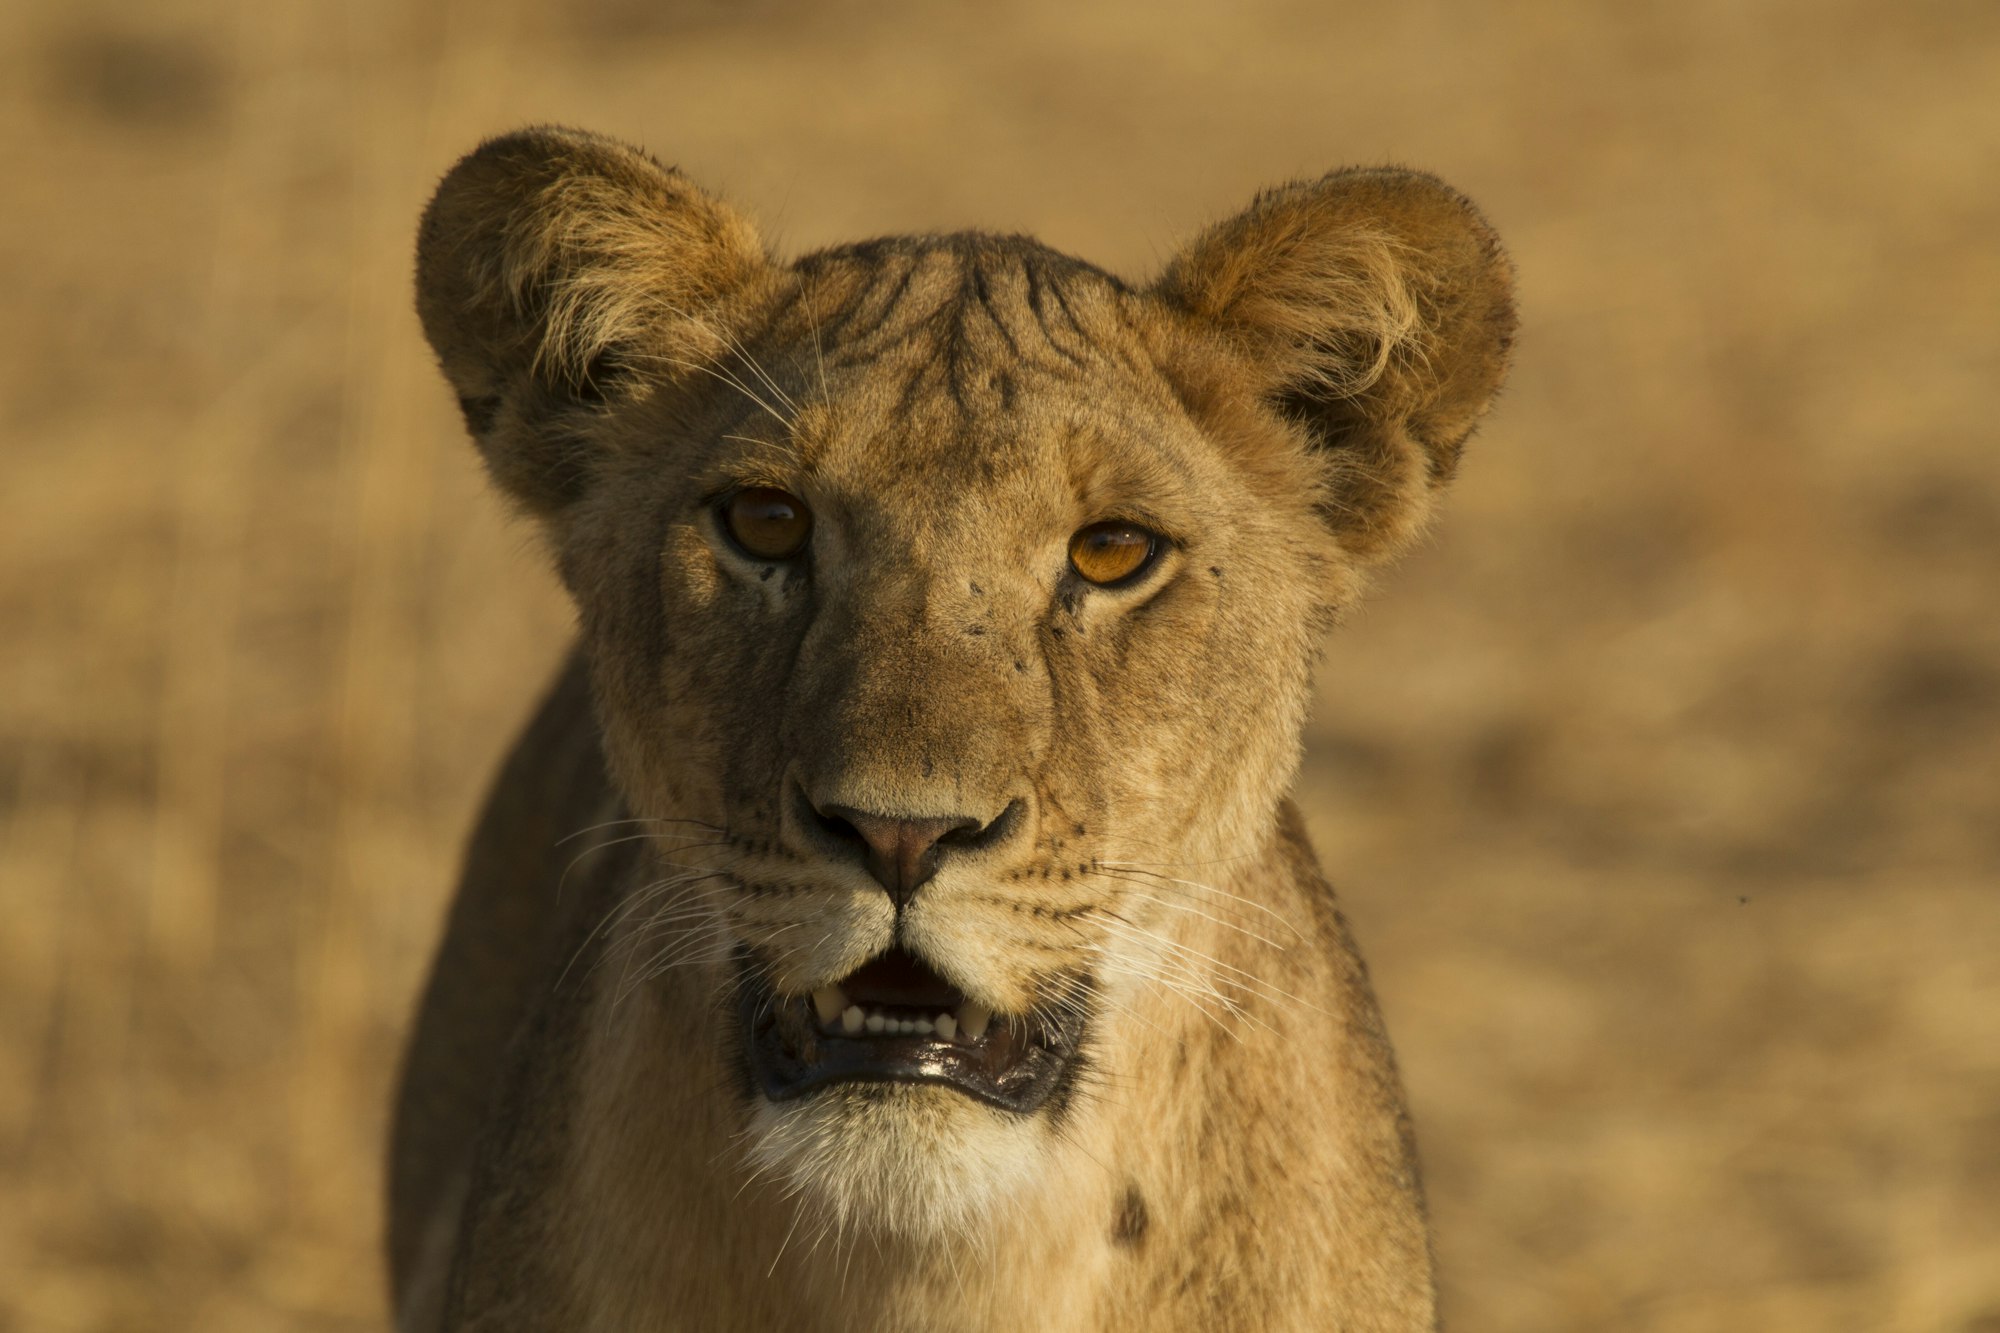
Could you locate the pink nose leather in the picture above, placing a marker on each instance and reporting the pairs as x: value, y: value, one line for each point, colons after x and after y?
x: 902, y: 853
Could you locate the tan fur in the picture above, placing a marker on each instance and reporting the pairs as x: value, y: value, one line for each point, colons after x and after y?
x: 1234, y: 1154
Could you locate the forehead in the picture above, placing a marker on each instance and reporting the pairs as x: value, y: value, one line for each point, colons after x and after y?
x: 977, y: 367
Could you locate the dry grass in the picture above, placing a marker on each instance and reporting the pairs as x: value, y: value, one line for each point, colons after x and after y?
x: 1663, y: 784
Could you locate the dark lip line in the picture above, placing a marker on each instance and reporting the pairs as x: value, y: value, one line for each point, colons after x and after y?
x: 814, y: 1081
x: 1042, y: 1069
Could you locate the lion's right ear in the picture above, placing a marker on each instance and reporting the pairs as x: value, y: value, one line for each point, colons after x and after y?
x: 548, y: 260
x: 1374, y: 309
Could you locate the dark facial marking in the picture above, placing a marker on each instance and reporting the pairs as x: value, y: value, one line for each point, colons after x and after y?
x: 1130, y: 1220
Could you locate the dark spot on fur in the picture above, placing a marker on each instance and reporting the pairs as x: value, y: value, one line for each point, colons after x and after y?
x: 977, y: 591
x: 1080, y: 830
x: 764, y: 574
x: 1129, y: 1222
x: 975, y: 630
x: 1215, y: 570
x: 1020, y: 666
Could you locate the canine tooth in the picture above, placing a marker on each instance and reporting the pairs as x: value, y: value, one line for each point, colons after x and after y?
x: 923, y: 1026
x: 973, y: 1018
x: 828, y: 1002
x: 851, y: 1019
x: 946, y: 1026
x: 876, y: 1022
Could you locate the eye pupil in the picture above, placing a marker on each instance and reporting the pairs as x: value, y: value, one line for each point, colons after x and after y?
x: 1105, y: 553
x: 769, y: 524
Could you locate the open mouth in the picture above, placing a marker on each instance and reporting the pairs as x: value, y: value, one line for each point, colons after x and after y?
x: 894, y: 1020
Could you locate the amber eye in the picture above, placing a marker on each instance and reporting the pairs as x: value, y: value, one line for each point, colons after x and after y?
x: 1106, y: 553
x: 767, y: 523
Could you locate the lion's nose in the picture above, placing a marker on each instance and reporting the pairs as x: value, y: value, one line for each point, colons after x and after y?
x: 903, y: 853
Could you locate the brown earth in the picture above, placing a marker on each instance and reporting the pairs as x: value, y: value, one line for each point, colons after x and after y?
x: 1662, y: 784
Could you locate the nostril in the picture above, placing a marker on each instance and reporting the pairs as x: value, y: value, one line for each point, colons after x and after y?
x: 829, y: 821
x: 837, y: 828
x: 971, y: 834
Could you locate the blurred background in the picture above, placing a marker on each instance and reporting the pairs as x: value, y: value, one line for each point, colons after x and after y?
x: 1661, y: 785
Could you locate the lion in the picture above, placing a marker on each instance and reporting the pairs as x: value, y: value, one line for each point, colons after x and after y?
x: 895, y: 917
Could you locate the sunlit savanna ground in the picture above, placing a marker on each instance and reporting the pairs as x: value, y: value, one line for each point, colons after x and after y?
x: 1663, y: 786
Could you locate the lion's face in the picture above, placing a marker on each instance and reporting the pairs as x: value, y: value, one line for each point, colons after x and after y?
x: 943, y: 773
x: 950, y: 604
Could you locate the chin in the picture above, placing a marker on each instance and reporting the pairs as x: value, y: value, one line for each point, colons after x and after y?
x: 912, y: 1162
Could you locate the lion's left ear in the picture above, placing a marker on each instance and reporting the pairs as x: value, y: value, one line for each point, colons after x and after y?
x: 548, y: 259
x: 1375, y: 308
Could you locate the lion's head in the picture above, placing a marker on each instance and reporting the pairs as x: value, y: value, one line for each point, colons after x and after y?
x: 942, y: 595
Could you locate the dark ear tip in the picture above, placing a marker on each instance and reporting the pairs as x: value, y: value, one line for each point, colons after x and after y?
x: 519, y: 160
x: 1464, y: 254
x: 535, y: 145
x: 1428, y: 205
x: 466, y: 240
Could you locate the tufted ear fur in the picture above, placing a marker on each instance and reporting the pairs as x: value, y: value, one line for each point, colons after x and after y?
x: 1375, y: 308
x: 548, y: 259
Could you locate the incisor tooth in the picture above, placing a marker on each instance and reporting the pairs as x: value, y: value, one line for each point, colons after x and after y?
x: 946, y: 1025
x: 851, y: 1019
x: 876, y: 1022
x: 973, y: 1018
x: 828, y: 1002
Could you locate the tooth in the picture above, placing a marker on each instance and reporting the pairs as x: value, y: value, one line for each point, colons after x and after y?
x: 923, y: 1026
x: 876, y: 1022
x: 828, y: 1002
x: 946, y: 1025
x: 851, y: 1019
x: 973, y: 1018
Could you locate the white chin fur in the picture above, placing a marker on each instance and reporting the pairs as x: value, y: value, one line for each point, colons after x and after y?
x: 913, y: 1162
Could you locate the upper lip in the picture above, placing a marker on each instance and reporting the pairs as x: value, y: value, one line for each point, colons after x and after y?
x: 798, y: 1044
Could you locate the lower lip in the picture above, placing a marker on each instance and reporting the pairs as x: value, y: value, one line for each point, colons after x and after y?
x: 790, y: 1058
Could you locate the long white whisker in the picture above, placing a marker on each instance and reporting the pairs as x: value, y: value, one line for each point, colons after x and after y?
x: 1190, y: 910
x: 1142, y: 868
x: 614, y: 823
x: 629, y: 904
x: 725, y: 377
x: 1248, y: 981
x: 763, y: 375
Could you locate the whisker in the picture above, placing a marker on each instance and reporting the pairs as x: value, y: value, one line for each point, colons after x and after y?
x: 626, y: 906
x: 1140, y: 867
x: 1173, y: 906
x: 614, y: 823
x: 562, y: 882
x: 1248, y: 981
x: 764, y: 376
x: 716, y: 373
